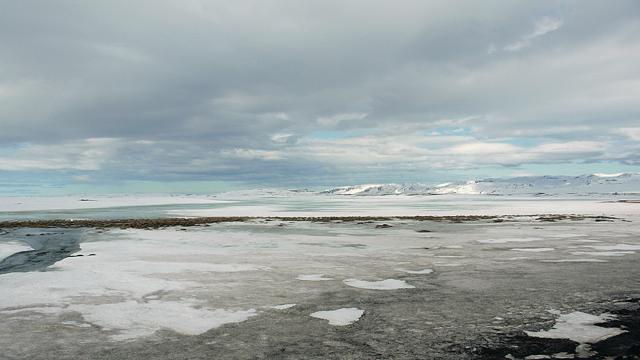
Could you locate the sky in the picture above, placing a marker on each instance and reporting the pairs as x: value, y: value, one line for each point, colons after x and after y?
x: 173, y: 96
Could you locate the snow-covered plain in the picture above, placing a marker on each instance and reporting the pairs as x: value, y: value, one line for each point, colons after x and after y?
x: 145, y: 284
x: 142, y: 281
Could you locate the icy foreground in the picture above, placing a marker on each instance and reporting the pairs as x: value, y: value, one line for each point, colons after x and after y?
x: 411, y: 289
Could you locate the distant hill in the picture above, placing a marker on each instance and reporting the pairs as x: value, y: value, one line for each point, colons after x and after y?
x: 624, y: 183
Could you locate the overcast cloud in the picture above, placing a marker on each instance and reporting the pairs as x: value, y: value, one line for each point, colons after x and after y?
x: 305, y: 92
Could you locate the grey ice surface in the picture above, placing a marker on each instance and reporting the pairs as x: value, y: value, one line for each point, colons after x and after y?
x: 209, y: 292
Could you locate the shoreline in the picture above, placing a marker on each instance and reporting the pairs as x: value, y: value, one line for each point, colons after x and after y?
x: 154, y: 223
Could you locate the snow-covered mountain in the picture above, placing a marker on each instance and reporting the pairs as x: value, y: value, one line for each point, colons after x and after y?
x: 624, y: 183
x: 379, y: 189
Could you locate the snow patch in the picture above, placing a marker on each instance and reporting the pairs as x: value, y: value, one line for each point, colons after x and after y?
x: 313, y: 277
x: 132, y: 319
x: 339, y: 317
x: 508, y: 240
x: 76, y: 324
x: 622, y: 247
x: 562, y: 355
x: 579, y: 327
x: 603, y: 253
x: 283, y: 306
x: 353, y: 190
x: 388, y: 284
x: 533, y: 249
x: 603, y: 175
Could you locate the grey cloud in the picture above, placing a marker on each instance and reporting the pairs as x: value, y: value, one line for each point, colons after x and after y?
x: 214, y: 86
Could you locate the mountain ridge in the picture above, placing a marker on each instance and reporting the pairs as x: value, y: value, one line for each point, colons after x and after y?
x: 598, y: 183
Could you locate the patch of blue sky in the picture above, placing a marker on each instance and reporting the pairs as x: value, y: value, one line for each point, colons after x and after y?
x: 11, y: 150
x: 336, y: 134
x: 524, y: 142
x: 37, y: 183
x: 460, y: 131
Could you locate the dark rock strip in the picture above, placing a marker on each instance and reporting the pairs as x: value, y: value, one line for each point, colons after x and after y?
x: 198, y: 221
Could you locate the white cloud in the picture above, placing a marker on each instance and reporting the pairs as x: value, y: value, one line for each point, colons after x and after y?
x: 482, y: 148
x: 238, y: 91
x: 339, y: 118
x: 545, y: 25
x: 441, y: 151
x: 89, y: 154
x: 571, y: 147
x: 252, y: 154
x: 541, y: 27
x: 632, y: 133
x: 281, y: 137
x: 516, y: 46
